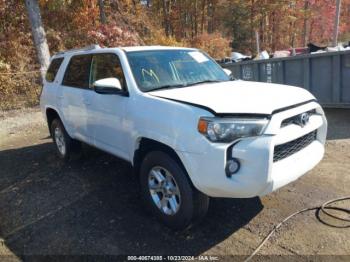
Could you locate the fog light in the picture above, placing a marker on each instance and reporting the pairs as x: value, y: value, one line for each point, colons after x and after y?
x: 232, y: 167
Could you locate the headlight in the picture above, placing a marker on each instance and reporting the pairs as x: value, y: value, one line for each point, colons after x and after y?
x: 226, y: 130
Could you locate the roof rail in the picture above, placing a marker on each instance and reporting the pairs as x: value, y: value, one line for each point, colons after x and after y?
x: 86, y: 48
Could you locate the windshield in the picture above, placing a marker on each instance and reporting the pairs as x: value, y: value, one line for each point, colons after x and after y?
x: 162, y: 69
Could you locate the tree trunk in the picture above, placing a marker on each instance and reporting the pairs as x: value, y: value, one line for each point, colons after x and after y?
x: 115, y: 5
x: 203, y: 16
x: 336, y: 24
x: 273, y: 31
x: 103, y: 17
x: 181, y: 20
x: 305, y: 35
x: 195, y: 18
x: 210, y: 16
x: 251, y: 25
x: 166, y: 17
x: 39, y: 35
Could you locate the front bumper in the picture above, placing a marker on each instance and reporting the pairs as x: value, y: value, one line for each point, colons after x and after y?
x: 259, y: 174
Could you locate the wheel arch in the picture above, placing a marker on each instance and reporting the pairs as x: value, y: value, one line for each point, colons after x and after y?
x: 51, y: 114
x: 145, y: 145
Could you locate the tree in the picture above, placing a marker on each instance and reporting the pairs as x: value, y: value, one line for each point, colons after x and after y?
x: 39, y: 35
x: 166, y: 11
x: 336, y: 24
x: 103, y: 17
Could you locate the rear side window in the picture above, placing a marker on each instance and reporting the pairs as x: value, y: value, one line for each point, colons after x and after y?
x: 77, y: 72
x: 53, y: 69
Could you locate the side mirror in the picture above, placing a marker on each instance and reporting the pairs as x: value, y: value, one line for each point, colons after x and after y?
x: 109, y: 85
x: 227, y: 71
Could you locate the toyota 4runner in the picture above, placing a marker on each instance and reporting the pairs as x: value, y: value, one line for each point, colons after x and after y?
x: 188, y: 128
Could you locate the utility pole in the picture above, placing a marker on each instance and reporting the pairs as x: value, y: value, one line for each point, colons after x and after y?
x: 336, y: 24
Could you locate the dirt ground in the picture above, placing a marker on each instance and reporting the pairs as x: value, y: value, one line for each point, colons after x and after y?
x: 91, y: 205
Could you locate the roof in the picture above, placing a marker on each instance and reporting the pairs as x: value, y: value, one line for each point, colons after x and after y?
x: 97, y: 48
x: 150, y: 48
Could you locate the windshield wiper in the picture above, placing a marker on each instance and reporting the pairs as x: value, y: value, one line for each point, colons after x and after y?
x: 166, y: 87
x: 183, y: 85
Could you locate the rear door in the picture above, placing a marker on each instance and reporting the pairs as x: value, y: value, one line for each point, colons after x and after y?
x: 75, y: 97
x: 107, y: 111
x: 48, y: 95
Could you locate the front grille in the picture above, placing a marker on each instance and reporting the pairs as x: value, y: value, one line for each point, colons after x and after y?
x: 295, y: 119
x: 285, y: 150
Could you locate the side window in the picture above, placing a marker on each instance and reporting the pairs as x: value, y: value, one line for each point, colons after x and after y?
x: 53, y: 69
x: 77, y: 72
x: 105, y: 66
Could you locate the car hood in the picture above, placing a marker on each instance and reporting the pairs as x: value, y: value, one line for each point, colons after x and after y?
x: 238, y: 97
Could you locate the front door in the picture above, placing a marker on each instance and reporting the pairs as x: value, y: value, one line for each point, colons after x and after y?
x: 107, y: 115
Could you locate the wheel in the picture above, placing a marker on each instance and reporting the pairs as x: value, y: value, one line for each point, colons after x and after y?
x: 168, y: 193
x: 65, y: 145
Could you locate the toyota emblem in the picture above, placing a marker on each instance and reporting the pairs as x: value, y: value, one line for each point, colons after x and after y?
x: 304, y: 119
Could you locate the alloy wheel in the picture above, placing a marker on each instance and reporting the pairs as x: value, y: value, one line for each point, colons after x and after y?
x: 164, y: 190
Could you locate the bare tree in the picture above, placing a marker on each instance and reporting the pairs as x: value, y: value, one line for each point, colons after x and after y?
x: 336, y: 24
x: 305, y: 29
x: 39, y: 35
x: 166, y: 12
x: 103, y: 17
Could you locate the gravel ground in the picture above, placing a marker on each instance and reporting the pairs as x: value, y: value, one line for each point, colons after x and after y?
x: 91, y: 205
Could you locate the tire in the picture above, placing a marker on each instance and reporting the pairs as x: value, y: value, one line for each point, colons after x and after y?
x: 65, y: 145
x: 175, y: 201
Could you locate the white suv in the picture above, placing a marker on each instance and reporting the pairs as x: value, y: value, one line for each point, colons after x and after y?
x: 189, y: 130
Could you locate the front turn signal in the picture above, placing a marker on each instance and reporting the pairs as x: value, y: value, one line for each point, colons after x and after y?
x: 202, y: 126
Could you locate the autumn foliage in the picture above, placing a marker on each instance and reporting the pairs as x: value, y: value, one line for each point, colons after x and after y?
x: 112, y: 35
x: 214, y: 44
x: 216, y: 26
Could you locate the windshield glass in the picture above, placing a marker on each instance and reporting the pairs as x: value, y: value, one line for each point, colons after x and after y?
x: 161, y: 69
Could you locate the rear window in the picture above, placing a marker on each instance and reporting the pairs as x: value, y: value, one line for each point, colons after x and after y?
x: 53, y: 69
x: 77, y: 73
